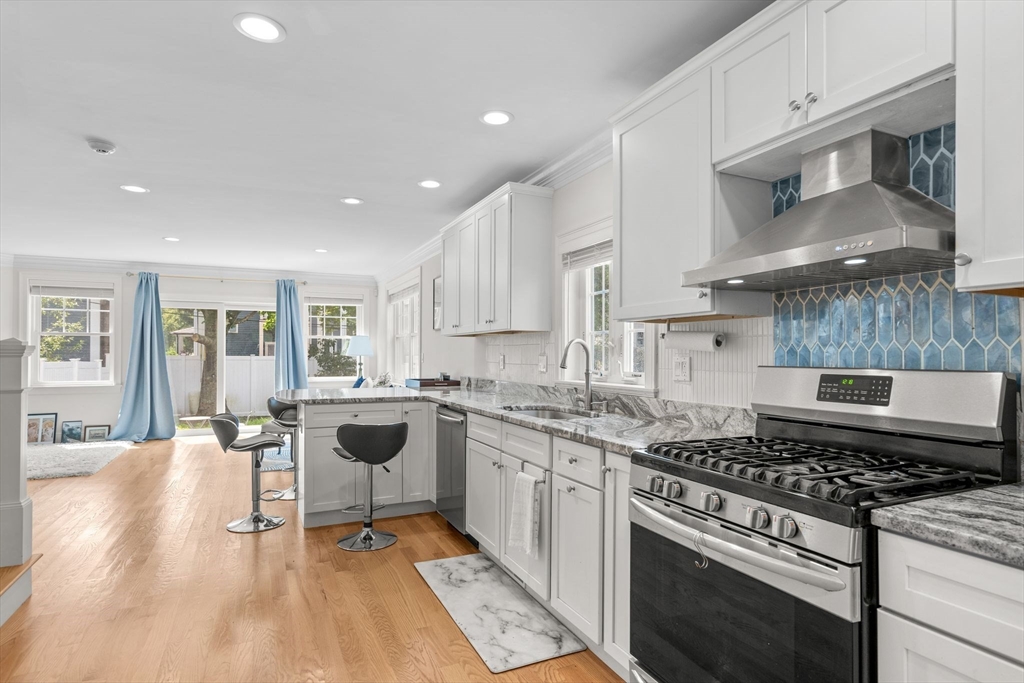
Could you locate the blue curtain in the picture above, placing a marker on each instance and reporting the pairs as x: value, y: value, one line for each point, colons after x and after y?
x: 146, y: 408
x: 289, y: 351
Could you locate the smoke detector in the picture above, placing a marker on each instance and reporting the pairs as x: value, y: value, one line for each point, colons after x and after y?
x: 101, y: 146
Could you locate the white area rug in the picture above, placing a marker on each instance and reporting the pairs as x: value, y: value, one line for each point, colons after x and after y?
x: 503, y: 623
x: 52, y: 460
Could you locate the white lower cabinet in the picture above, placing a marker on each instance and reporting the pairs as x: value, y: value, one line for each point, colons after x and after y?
x: 534, y: 571
x: 332, y: 485
x: 417, y: 472
x: 616, y: 557
x: 483, y: 496
x: 576, y: 559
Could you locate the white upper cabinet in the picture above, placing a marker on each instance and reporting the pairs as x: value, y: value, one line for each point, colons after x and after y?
x: 503, y: 283
x: 990, y: 145
x: 759, y: 86
x: 857, y: 50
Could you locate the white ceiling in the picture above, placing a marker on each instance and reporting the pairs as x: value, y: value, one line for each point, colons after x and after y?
x: 248, y: 147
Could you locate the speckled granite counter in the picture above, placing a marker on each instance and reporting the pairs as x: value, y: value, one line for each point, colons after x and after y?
x: 987, y: 522
x: 631, y: 424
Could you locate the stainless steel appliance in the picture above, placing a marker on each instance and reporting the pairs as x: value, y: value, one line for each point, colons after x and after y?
x: 857, y: 219
x: 753, y: 558
x: 451, y: 467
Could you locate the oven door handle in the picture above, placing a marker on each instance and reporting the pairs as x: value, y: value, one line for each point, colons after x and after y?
x: 771, y: 564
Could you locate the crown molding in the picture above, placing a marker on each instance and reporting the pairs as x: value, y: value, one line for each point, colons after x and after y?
x: 574, y: 164
x: 7, y: 260
x: 425, y: 251
x: 169, y: 269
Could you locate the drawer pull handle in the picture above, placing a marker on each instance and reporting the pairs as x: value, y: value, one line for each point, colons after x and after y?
x: 572, y: 459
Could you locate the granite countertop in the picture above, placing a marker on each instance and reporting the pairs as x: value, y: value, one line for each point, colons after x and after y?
x: 987, y: 522
x: 630, y: 425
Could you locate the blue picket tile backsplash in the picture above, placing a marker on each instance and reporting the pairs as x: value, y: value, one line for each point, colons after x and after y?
x: 915, y: 321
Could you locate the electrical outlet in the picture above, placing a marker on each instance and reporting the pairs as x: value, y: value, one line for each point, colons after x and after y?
x: 680, y: 367
x: 501, y: 361
x: 542, y: 362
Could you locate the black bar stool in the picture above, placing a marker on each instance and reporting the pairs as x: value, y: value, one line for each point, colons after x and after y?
x: 371, y: 445
x: 284, y: 420
x: 225, y: 428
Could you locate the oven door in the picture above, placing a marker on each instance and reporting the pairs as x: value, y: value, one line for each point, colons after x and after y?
x: 742, y: 607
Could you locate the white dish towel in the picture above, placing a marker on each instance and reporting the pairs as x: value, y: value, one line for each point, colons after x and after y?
x: 524, y: 527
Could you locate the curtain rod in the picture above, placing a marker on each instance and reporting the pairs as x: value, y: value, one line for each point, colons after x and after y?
x: 211, y: 277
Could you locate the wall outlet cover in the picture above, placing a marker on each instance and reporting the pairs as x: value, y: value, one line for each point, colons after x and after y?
x: 501, y: 361
x: 542, y: 362
x: 680, y: 367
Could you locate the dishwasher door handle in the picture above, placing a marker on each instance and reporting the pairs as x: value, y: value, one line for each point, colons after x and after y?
x: 456, y: 420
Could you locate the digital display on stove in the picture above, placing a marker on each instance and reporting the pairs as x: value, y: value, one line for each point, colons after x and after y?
x: 868, y: 390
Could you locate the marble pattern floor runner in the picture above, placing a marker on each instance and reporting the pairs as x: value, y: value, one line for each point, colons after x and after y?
x: 506, y: 626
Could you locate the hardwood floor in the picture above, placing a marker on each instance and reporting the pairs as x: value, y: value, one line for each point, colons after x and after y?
x: 139, y: 581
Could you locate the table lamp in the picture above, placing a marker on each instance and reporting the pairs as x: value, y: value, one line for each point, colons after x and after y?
x: 359, y: 346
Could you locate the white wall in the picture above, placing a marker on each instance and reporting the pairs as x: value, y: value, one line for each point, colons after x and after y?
x: 8, y: 294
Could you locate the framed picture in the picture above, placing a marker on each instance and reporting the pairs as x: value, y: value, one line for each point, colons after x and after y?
x: 71, y: 431
x: 97, y: 433
x: 42, y: 428
x: 437, y: 303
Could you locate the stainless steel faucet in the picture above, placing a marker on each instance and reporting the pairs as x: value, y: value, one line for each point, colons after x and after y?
x: 564, y: 364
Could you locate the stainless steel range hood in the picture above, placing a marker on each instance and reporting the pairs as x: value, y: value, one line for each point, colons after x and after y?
x: 856, y: 206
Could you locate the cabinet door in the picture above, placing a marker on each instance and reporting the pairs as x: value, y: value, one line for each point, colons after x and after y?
x: 663, y: 195
x: 990, y: 149
x: 753, y: 85
x: 911, y: 653
x: 387, y: 486
x: 483, y: 496
x: 909, y: 39
x: 501, y: 243
x: 417, y: 473
x: 467, y: 276
x: 450, y: 282
x: 328, y: 482
x: 576, y: 588
x: 534, y: 571
x: 432, y: 451
x: 484, y: 269
x: 616, y: 557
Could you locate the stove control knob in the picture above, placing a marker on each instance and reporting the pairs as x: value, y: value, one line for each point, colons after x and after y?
x: 673, y: 489
x: 710, y: 501
x: 757, y: 518
x: 783, y: 526
x: 655, y: 483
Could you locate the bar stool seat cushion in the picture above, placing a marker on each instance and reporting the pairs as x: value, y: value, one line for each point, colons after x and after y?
x: 257, y: 442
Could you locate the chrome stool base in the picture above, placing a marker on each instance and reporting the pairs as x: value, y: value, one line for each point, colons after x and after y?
x: 367, y: 539
x: 257, y: 521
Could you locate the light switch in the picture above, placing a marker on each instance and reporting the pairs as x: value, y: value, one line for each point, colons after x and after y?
x: 680, y: 367
x: 542, y: 362
x: 501, y: 361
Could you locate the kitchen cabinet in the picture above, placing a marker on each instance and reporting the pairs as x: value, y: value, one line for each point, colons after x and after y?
x: 759, y: 86
x: 432, y: 451
x: 909, y: 39
x: 534, y: 571
x: 616, y: 557
x: 990, y: 146
x: 483, y: 496
x: 576, y: 559
x: 417, y: 472
x: 387, y: 486
x: 491, y: 251
x: 334, y: 485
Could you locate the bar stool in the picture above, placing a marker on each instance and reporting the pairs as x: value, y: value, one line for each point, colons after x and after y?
x: 370, y: 445
x: 225, y: 428
x: 284, y: 420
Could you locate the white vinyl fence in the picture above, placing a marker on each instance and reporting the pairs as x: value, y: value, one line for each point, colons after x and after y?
x: 74, y: 370
x: 248, y: 382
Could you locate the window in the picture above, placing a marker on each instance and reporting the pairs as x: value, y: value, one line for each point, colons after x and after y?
x: 72, y: 330
x: 617, y: 347
x: 404, y: 333
x: 330, y: 326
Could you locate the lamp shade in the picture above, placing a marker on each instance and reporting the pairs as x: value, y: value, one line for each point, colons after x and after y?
x: 360, y: 345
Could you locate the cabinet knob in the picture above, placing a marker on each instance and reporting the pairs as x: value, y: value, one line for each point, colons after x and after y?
x: 572, y: 459
x: 961, y: 259
x: 605, y: 469
x: 570, y: 488
x: 701, y: 294
x: 810, y: 99
x: 794, y: 105
x: 494, y: 464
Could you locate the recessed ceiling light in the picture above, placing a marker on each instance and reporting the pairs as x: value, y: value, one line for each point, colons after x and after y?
x: 352, y: 200
x: 855, y: 261
x: 429, y: 184
x: 734, y: 282
x: 496, y: 118
x: 320, y: 251
x: 171, y: 239
x: 133, y: 188
x: 259, y: 27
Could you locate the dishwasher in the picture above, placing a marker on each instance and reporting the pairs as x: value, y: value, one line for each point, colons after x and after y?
x: 451, y: 467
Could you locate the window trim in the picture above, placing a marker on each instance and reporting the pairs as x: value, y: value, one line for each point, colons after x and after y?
x: 332, y: 299
x: 403, y: 284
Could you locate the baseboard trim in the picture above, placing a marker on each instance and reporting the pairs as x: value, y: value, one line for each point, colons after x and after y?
x: 15, y: 596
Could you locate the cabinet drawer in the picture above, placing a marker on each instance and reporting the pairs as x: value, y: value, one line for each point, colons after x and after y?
x: 911, y: 653
x: 528, y: 444
x: 486, y: 430
x: 317, y: 416
x: 579, y: 462
x: 970, y: 597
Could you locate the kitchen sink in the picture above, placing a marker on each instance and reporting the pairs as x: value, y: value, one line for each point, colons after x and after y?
x: 553, y: 412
